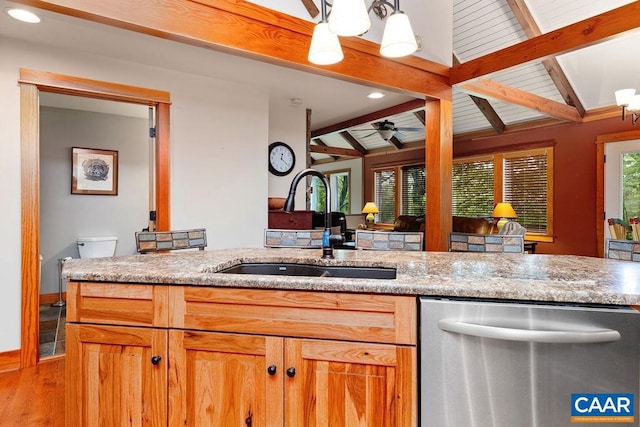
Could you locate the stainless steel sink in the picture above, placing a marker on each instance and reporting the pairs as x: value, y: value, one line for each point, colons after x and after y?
x: 284, y: 269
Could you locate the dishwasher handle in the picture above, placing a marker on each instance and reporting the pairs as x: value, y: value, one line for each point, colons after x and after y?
x: 542, y: 336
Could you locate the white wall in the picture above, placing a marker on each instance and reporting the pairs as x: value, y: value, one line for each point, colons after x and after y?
x: 288, y: 124
x: 219, y: 135
x: 64, y: 216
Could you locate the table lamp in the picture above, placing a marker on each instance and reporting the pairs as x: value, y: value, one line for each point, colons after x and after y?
x: 505, y: 212
x: 370, y: 208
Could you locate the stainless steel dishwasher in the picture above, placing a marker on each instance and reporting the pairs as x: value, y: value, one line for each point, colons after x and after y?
x: 509, y: 364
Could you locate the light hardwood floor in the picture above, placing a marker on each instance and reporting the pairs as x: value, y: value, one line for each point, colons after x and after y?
x: 33, y: 396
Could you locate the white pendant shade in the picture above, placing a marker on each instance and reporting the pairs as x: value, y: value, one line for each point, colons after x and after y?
x: 398, y: 38
x: 634, y: 104
x: 624, y: 96
x: 325, y: 47
x: 349, y: 18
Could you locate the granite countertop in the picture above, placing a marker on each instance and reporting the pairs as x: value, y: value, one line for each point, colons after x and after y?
x: 557, y: 278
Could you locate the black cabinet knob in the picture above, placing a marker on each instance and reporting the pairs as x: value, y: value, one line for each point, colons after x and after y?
x: 271, y: 370
x: 291, y: 372
x: 156, y: 359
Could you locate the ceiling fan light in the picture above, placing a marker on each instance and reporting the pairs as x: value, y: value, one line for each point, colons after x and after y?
x: 386, y: 134
x: 349, y: 18
x: 398, y: 39
x: 325, y: 47
x: 624, y: 96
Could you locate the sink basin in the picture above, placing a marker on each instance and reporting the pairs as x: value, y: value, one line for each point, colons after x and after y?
x: 283, y: 269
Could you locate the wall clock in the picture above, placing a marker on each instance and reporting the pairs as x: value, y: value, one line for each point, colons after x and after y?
x: 282, y: 159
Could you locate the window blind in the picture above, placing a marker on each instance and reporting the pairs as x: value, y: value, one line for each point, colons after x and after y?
x: 472, y: 188
x: 525, y: 187
x: 413, y: 190
x: 385, y: 196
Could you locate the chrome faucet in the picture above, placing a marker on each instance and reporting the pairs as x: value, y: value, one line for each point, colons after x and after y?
x: 328, y: 240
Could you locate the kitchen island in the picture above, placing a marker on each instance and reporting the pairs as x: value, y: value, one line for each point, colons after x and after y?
x: 572, y: 279
x: 168, y: 339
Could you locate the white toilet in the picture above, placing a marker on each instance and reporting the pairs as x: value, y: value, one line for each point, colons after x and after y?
x: 97, y: 247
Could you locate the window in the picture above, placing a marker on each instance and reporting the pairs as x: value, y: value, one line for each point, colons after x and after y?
x: 385, y: 197
x: 340, y: 197
x: 413, y: 190
x: 522, y: 178
x: 473, y: 187
x: 399, y: 191
x: 630, y: 185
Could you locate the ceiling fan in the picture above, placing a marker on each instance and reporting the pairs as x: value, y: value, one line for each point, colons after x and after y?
x: 388, y: 129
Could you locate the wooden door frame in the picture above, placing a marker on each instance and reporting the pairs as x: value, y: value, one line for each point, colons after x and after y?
x: 601, y: 140
x: 31, y: 84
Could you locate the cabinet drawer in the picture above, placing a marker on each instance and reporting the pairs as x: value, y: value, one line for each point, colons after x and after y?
x: 353, y: 317
x: 117, y: 304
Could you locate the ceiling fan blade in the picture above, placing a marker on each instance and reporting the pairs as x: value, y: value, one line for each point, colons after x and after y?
x: 399, y: 135
x: 410, y: 129
x: 311, y: 7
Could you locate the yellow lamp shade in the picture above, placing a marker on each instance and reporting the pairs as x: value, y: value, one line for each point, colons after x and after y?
x: 370, y: 207
x: 504, y: 211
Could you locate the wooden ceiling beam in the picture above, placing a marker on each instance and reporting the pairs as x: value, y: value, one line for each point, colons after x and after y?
x: 395, y: 142
x: 246, y: 29
x: 335, y: 151
x: 377, y: 115
x: 489, y: 113
x: 351, y: 140
x: 485, y: 107
x: 494, y: 90
x: 420, y: 116
x: 559, y: 78
x: 321, y: 143
x: 582, y: 34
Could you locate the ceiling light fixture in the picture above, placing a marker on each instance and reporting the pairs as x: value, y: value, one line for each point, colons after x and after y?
x: 350, y: 18
x: 629, y: 101
x: 23, y: 15
x: 325, y: 47
x: 375, y: 95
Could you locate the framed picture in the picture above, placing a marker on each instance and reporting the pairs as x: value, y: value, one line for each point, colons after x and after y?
x: 94, y: 171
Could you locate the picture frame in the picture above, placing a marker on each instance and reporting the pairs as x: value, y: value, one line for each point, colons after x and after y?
x: 94, y: 171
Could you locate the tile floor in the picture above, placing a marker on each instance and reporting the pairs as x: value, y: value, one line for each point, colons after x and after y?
x: 52, y: 321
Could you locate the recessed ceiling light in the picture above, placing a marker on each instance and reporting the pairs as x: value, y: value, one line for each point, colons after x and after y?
x: 375, y: 95
x: 23, y: 15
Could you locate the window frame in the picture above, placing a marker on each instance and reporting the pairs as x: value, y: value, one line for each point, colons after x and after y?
x: 498, y: 181
x: 334, y: 196
x: 399, y: 178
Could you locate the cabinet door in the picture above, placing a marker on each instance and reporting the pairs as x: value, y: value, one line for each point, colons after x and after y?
x: 223, y: 379
x: 349, y: 384
x: 114, y: 376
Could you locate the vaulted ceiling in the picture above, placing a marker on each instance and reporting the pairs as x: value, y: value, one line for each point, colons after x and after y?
x: 490, y: 95
x: 567, y: 87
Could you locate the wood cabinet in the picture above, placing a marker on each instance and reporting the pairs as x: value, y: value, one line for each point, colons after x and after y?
x: 239, y: 357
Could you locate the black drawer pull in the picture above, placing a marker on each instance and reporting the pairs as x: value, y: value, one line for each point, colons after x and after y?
x: 156, y: 359
x: 271, y: 370
x: 291, y: 372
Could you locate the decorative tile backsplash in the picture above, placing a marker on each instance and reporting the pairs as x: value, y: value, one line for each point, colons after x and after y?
x: 464, y: 242
x: 389, y: 240
x: 626, y: 250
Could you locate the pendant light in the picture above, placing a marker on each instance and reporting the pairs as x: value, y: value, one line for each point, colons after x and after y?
x: 325, y: 47
x: 398, y: 38
x: 349, y: 18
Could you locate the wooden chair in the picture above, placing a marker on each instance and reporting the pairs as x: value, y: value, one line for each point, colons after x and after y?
x: 155, y: 241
